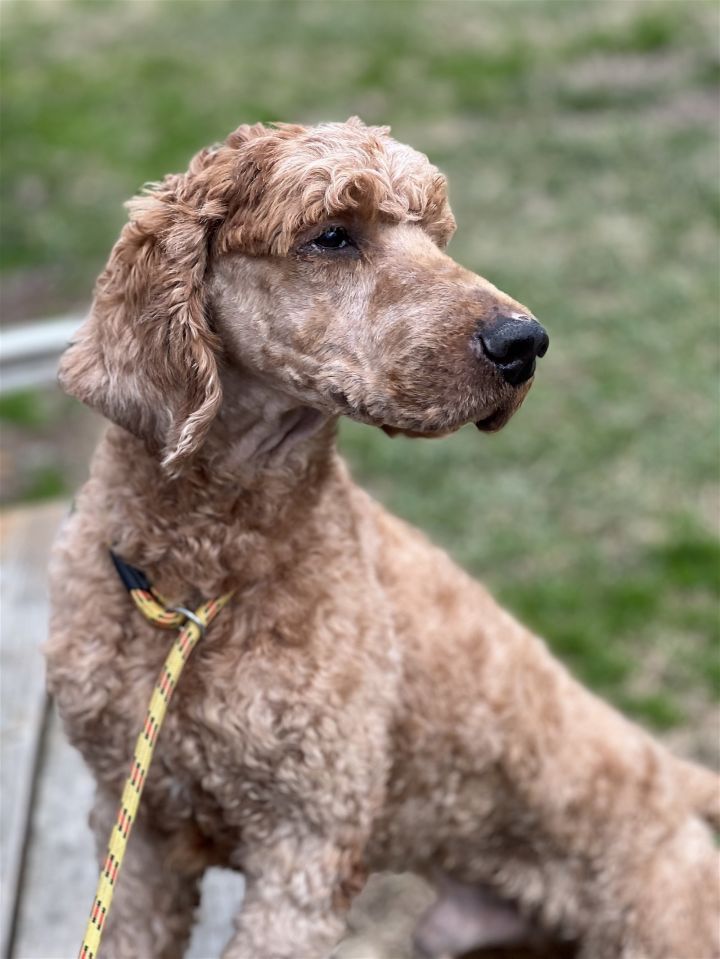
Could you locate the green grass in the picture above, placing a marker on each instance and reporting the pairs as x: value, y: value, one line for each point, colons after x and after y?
x: 30, y: 409
x: 580, y: 139
x: 48, y: 482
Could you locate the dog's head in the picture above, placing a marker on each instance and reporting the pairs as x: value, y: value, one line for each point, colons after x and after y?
x: 312, y: 258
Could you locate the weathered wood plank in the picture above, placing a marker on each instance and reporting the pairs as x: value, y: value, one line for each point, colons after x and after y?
x: 25, y: 537
x: 222, y: 893
x: 61, y: 871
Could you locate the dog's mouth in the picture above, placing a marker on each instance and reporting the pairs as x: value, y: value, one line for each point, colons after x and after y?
x: 489, y: 419
x: 489, y: 422
x: 414, y: 434
x: 495, y: 421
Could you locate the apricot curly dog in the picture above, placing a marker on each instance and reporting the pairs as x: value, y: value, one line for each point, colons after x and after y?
x: 362, y: 704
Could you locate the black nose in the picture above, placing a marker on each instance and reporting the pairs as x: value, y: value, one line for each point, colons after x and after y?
x: 513, y: 344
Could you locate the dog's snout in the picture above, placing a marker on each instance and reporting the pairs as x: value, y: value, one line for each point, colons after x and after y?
x: 513, y: 343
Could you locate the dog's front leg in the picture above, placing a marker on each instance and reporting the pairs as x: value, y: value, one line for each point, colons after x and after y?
x: 298, y: 891
x: 156, y: 894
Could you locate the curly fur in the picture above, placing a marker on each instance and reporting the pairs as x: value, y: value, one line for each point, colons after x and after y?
x: 363, y: 704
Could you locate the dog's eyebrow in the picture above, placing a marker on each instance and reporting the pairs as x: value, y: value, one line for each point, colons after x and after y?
x: 371, y: 190
x: 371, y: 195
x: 305, y: 183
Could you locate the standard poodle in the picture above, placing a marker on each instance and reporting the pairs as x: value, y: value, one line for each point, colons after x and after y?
x: 362, y: 704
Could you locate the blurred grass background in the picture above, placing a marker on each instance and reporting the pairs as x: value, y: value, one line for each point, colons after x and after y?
x: 581, y: 144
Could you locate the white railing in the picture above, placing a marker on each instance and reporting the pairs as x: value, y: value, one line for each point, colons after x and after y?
x: 29, y: 354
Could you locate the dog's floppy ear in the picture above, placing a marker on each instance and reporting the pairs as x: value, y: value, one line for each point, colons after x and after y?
x: 146, y: 357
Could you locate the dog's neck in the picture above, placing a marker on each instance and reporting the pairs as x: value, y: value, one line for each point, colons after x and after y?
x: 258, y: 428
x: 266, y: 465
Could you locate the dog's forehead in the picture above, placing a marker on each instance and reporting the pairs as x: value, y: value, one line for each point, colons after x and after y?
x: 338, y: 154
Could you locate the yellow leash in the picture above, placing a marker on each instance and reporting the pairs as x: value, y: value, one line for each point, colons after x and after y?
x: 192, y: 626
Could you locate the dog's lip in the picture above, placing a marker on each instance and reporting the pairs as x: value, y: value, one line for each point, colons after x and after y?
x: 489, y: 423
x: 495, y: 420
x: 414, y: 434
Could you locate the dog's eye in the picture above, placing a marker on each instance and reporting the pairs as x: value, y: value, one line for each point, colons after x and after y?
x: 334, y: 238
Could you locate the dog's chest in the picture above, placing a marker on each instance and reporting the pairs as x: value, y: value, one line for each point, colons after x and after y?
x: 262, y: 728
